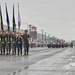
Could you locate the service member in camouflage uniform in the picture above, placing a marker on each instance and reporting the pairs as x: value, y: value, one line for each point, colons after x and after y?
x: 3, y: 42
x: 8, y: 41
x: 13, y: 43
x: 26, y: 42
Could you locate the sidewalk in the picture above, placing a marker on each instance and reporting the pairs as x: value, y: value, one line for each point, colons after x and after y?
x: 71, y: 70
x: 59, y: 64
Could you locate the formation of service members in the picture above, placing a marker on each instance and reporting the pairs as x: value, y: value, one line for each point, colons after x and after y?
x: 59, y: 45
x: 10, y: 41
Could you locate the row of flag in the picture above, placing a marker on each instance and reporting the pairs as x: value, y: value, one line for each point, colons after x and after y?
x: 7, y: 19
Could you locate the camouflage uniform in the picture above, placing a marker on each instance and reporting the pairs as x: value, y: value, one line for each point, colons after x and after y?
x: 26, y: 43
x: 13, y: 44
x: 3, y: 43
x: 8, y: 43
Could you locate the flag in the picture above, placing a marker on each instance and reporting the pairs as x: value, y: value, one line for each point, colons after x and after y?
x: 1, y: 20
x: 14, y: 25
x: 19, y: 19
x: 7, y: 17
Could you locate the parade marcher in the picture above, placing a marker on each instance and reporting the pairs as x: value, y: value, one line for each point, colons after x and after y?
x: 19, y: 43
x: 3, y: 43
x: 71, y: 45
x: 13, y: 43
x: 62, y: 45
x: 26, y: 42
x: 8, y: 41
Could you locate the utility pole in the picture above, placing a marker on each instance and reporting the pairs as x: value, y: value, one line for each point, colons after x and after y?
x: 29, y: 26
x: 49, y: 37
x: 45, y: 37
x: 42, y: 36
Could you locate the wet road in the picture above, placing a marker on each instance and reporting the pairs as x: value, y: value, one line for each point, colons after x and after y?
x: 11, y: 65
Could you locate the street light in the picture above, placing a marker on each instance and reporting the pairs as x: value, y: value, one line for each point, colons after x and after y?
x: 28, y: 27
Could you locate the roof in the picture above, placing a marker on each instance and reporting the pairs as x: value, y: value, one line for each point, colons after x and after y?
x: 33, y: 27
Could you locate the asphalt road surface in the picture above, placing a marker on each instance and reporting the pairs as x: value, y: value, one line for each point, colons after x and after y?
x: 40, y: 61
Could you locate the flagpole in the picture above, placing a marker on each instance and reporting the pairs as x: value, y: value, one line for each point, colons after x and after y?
x: 18, y: 11
x: 19, y: 19
x: 14, y: 25
x: 7, y: 17
x: 1, y: 19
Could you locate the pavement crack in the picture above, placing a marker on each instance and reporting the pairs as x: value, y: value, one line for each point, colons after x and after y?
x: 26, y: 67
x: 19, y: 70
x: 14, y: 73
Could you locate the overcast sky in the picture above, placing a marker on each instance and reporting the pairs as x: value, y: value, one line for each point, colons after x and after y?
x: 56, y: 17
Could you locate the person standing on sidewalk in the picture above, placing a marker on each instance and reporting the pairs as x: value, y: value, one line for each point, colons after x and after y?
x: 26, y: 39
